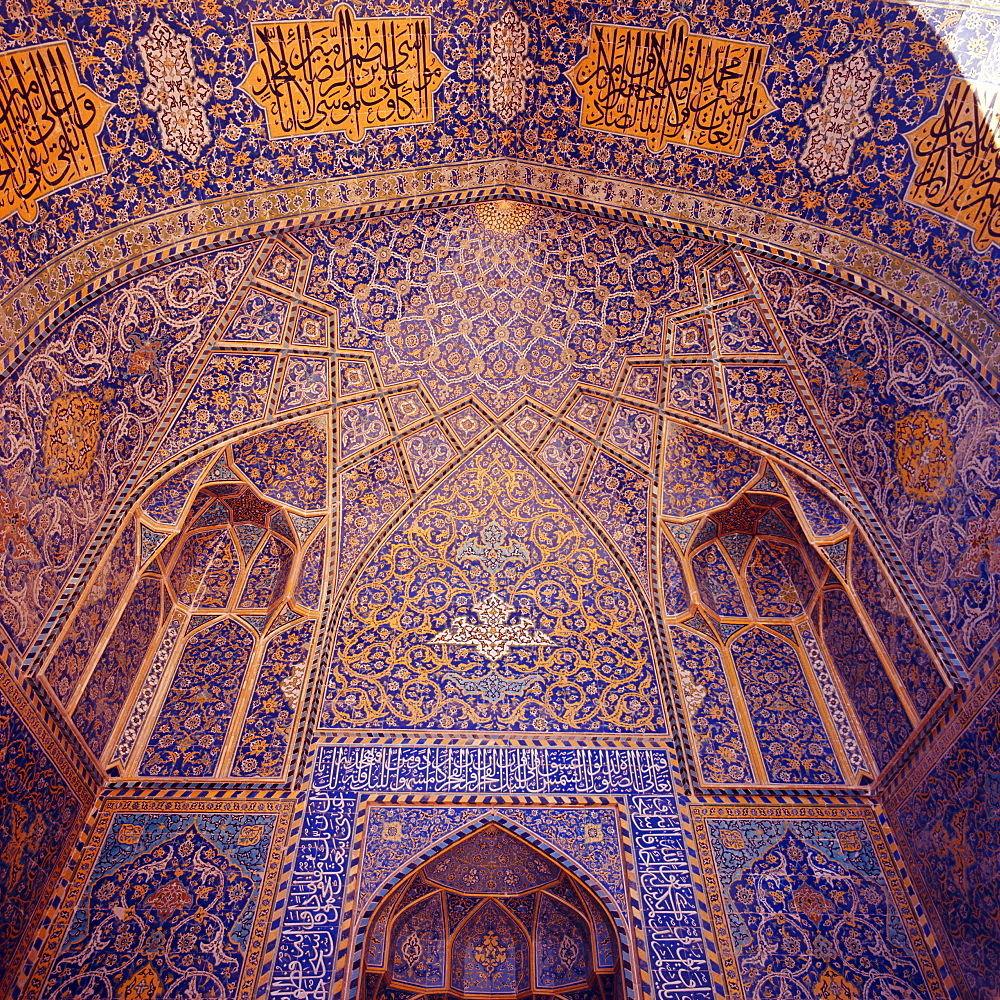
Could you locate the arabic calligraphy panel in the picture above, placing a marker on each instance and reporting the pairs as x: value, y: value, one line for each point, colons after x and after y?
x: 958, y: 161
x: 49, y: 128
x: 669, y: 86
x: 344, y: 75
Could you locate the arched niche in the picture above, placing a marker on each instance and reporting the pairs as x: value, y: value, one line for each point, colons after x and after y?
x: 240, y: 573
x: 491, y: 915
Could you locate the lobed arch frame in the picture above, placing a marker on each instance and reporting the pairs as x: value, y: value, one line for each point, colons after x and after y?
x: 347, y: 981
x: 281, y: 608
x: 332, y: 604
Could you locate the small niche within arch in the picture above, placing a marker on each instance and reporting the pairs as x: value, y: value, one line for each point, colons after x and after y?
x: 492, y: 916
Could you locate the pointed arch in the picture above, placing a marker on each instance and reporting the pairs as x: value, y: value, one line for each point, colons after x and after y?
x: 493, y: 530
x: 347, y: 577
x: 599, y: 958
x: 543, y: 846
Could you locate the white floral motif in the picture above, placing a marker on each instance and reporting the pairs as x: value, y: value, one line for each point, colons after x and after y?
x: 492, y: 632
x: 508, y: 69
x: 840, y: 118
x: 175, y: 92
x: 564, y: 453
x: 307, y: 382
x: 632, y: 431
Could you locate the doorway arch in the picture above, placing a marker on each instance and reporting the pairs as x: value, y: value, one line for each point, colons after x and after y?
x: 491, y: 915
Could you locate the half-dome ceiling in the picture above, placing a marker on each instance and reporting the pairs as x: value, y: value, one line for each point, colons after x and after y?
x: 834, y: 136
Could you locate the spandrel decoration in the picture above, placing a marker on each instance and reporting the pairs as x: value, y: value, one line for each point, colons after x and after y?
x: 958, y: 160
x: 669, y: 86
x: 345, y: 75
x: 49, y: 123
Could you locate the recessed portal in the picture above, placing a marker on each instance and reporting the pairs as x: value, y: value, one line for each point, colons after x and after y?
x: 492, y: 916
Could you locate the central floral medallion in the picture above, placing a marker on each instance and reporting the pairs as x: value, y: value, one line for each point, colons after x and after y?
x: 492, y: 631
x: 490, y: 952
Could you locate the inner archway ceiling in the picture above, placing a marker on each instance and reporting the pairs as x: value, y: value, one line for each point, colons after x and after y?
x: 624, y: 364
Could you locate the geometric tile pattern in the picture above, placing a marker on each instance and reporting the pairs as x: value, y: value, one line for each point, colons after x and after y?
x: 705, y: 472
x: 467, y: 424
x: 289, y: 464
x: 131, y: 344
x: 750, y: 704
x: 929, y: 479
x: 153, y: 872
x: 428, y: 451
x: 149, y: 542
x: 945, y: 814
x: 725, y: 277
x: 692, y: 389
x: 109, y: 584
x: 243, y: 381
x: 909, y: 655
x: 260, y: 319
x: 108, y: 687
x: 486, y: 322
x: 83, y: 408
x: 587, y: 411
x: 39, y: 809
x: 306, y: 382
x: 878, y: 704
x: 166, y: 502
x: 565, y: 454
x: 821, y: 515
x: 720, y: 752
x: 619, y: 498
x: 632, y: 431
x: 741, y: 330
x: 823, y: 873
x: 370, y: 493
x: 765, y: 403
x: 568, y: 311
x: 528, y: 425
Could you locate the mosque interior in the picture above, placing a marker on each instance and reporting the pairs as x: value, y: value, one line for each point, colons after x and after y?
x: 500, y: 499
